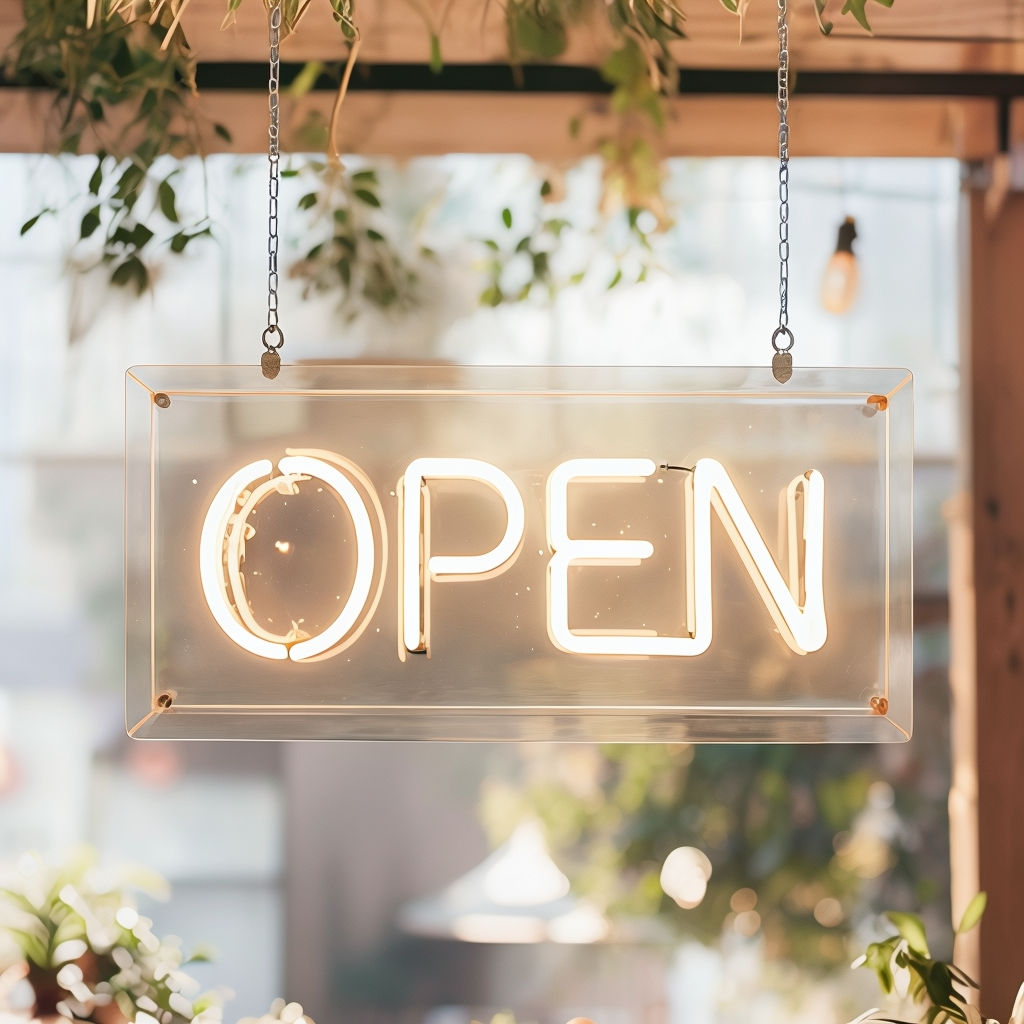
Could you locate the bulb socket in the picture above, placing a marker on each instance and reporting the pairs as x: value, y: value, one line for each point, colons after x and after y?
x: 847, y: 233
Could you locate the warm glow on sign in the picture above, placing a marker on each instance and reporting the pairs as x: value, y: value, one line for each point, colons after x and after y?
x: 416, y: 538
x: 222, y: 551
x: 802, y: 626
x: 573, y: 554
x: 801, y: 623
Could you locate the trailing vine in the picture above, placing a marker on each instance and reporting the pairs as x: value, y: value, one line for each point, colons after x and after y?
x: 352, y: 256
x: 123, y: 82
x: 123, y: 88
x: 522, y: 262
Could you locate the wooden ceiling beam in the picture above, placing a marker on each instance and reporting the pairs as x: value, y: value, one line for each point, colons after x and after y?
x: 945, y: 36
x: 411, y: 124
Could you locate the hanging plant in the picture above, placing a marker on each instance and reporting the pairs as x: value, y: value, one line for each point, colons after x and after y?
x: 521, y: 262
x: 122, y: 78
x: 352, y: 258
x: 123, y: 87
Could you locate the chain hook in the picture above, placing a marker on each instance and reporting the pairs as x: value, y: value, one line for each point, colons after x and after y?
x: 271, y: 361
x: 782, y: 363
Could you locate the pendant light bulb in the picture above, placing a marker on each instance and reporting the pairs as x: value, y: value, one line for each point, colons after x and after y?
x: 842, y: 276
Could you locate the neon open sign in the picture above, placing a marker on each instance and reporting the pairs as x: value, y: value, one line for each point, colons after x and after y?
x: 801, y: 624
x: 493, y: 553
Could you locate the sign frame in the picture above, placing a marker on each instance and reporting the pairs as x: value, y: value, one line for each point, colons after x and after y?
x: 877, y: 402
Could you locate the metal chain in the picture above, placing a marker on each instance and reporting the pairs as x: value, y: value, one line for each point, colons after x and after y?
x: 274, y: 160
x: 782, y: 339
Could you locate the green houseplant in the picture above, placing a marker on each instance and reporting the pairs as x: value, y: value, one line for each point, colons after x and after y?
x: 123, y: 81
x: 75, y: 938
x: 935, y: 991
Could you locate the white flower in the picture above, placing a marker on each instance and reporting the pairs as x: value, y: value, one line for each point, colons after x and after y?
x: 280, y: 1013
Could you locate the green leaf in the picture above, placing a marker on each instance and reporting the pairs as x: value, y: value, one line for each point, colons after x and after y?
x: 308, y: 201
x: 97, y: 178
x: 730, y: 5
x: 506, y: 217
x: 223, y: 133
x: 70, y: 143
x: 289, y: 172
x: 368, y: 175
x: 341, y: 215
x: 306, y: 78
x: 179, y: 241
x: 90, y: 222
x: 972, y: 915
x: 436, y: 62
x: 32, y: 221
x: 491, y: 296
x: 963, y: 977
x: 34, y: 948
x: 939, y: 985
x: 911, y: 928
x: 131, y: 272
x: 366, y: 196
x: 626, y: 66
x: 128, y: 183
x: 878, y: 958
x: 374, y: 236
x: 140, y: 235
x: 819, y: 11
x: 19, y: 899
x: 536, y: 31
x: 858, y: 9
x: 615, y: 280
x: 166, y: 197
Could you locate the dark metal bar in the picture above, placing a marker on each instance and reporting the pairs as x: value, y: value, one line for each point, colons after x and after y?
x: 562, y: 78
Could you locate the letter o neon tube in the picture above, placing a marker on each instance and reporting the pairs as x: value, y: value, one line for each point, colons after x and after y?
x: 211, y: 557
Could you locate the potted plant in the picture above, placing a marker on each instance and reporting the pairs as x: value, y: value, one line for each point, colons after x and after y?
x: 77, y: 948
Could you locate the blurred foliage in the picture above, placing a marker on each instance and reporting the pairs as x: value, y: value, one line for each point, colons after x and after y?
x: 73, y: 933
x: 85, y: 950
x: 123, y: 87
x: 521, y: 261
x: 122, y: 78
x: 352, y: 256
x: 803, y: 841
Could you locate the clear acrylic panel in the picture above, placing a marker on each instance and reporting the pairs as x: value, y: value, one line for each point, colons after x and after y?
x: 598, y: 554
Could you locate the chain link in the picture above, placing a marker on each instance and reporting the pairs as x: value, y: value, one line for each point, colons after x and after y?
x: 274, y: 160
x: 783, y: 330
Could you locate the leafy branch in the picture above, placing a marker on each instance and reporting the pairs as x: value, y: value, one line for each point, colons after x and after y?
x: 124, y: 87
x: 123, y: 83
x: 521, y: 262
x: 904, y: 965
x: 353, y: 256
x: 85, y: 947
